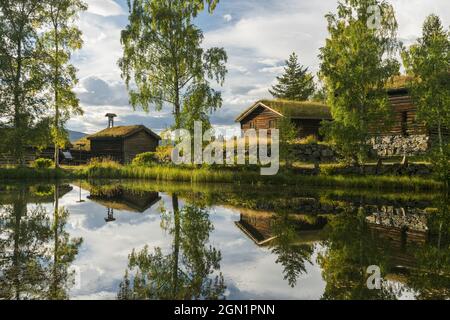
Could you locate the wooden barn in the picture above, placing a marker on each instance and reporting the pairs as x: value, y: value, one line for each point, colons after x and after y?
x: 405, y: 121
x: 265, y: 114
x: 122, y: 143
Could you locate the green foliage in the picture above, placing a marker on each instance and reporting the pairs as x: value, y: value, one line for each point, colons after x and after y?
x: 296, y: 83
x: 288, y: 133
x: 356, y: 63
x: 145, y: 159
x: 42, y: 163
x: 103, y: 163
x: 164, y: 62
x: 428, y: 63
x: 60, y: 38
x: 311, y: 139
x: 441, y: 164
x: 22, y: 101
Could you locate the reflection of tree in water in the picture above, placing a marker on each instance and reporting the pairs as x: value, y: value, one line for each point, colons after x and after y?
x: 291, y: 255
x: 431, y: 278
x: 189, y: 271
x: 350, y: 249
x: 35, y: 251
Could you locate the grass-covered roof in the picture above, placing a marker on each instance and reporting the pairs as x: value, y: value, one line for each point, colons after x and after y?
x: 294, y: 109
x: 82, y: 144
x: 121, y: 132
x: 399, y: 82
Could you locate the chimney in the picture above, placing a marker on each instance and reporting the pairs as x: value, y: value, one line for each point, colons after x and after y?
x: 110, y: 117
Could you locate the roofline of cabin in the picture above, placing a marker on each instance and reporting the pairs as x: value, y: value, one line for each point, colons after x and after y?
x: 243, y: 115
x: 141, y: 127
x: 260, y: 103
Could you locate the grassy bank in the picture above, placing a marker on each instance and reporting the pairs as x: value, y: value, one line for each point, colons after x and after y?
x: 203, y: 175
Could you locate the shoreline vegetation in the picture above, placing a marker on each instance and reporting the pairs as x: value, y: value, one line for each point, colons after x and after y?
x: 221, y: 175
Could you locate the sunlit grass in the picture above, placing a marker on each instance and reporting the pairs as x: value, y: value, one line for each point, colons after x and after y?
x: 111, y: 170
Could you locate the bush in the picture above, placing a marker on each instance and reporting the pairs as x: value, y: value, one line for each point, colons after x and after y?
x: 441, y: 165
x: 312, y: 139
x: 163, y: 154
x: 103, y: 163
x: 145, y: 159
x: 42, y: 163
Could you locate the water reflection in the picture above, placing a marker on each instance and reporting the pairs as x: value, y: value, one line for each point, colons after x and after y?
x: 177, y: 241
x: 35, y: 250
x: 191, y: 270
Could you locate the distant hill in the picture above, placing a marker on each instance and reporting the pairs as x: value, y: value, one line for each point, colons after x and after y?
x: 75, y: 135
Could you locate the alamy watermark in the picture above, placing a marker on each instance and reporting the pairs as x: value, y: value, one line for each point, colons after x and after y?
x: 258, y: 147
x: 374, y: 280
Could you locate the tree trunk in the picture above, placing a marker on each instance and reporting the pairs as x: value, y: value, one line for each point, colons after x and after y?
x: 54, y: 286
x: 20, y: 210
x: 441, y: 145
x: 55, y: 84
x: 18, y: 127
x: 176, y: 245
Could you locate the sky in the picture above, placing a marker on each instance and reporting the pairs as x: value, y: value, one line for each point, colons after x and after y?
x: 258, y: 35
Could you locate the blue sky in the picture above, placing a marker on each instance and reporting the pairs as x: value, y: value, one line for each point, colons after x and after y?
x: 257, y: 34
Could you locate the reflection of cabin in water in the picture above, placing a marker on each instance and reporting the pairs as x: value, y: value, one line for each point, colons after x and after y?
x: 126, y: 200
x: 123, y: 199
x: 259, y: 226
x: 401, y: 230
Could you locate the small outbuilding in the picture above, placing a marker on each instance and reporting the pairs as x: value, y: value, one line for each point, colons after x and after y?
x: 122, y: 143
x: 306, y: 115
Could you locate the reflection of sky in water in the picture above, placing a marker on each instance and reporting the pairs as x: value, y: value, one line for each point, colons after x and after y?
x: 250, y: 271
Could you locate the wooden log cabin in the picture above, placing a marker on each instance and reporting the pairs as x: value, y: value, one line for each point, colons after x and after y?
x: 405, y: 111
x: 122, y: 143
x: 405, y: 134
x: 307, y: 116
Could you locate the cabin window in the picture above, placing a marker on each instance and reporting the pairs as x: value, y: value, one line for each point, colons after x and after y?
x: 405, y: 123
x: 252, y: 124
x: 272, y: 124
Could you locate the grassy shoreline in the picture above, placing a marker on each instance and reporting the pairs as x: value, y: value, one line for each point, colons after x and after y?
x: 203, y: 175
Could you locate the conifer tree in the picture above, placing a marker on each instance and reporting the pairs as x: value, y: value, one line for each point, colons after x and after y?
x: 296, y: 83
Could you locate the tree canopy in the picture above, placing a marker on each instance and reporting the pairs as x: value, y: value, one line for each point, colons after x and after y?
x: 428, y: 62
x: 356, y: 62
x: 296, y: 83
x: 163, y: 60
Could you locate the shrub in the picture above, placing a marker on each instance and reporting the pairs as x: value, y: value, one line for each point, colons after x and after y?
x: 163, y: 154
x: 312, y: 139
x: 42, y: 163
x: 103, y: 163
x: 145, y: 159
x: 441, y: 165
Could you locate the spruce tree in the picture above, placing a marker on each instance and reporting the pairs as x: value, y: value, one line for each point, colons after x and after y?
x: 296, y: 83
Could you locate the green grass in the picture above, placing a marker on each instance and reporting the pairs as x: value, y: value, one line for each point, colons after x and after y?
x: 250, y: 177
x: 204, y: 175
x: 27, y: 173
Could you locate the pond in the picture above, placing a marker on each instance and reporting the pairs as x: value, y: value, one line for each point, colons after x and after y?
x: 145, y: 240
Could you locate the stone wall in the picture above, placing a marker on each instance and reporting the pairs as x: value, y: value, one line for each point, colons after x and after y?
x: 396, y: 145
x: 314, y: 152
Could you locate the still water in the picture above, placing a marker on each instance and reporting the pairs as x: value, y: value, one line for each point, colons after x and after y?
x: 142, y: 240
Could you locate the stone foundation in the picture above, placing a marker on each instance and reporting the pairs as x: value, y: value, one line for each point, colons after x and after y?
x: 397, y: 145
x: 314, y: 152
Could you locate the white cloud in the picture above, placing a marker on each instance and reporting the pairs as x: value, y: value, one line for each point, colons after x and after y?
x: 275, y: 70
x: 227, y: 17
x: 104, y: 7
x: 270, y: 62
x: 258, y: 42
